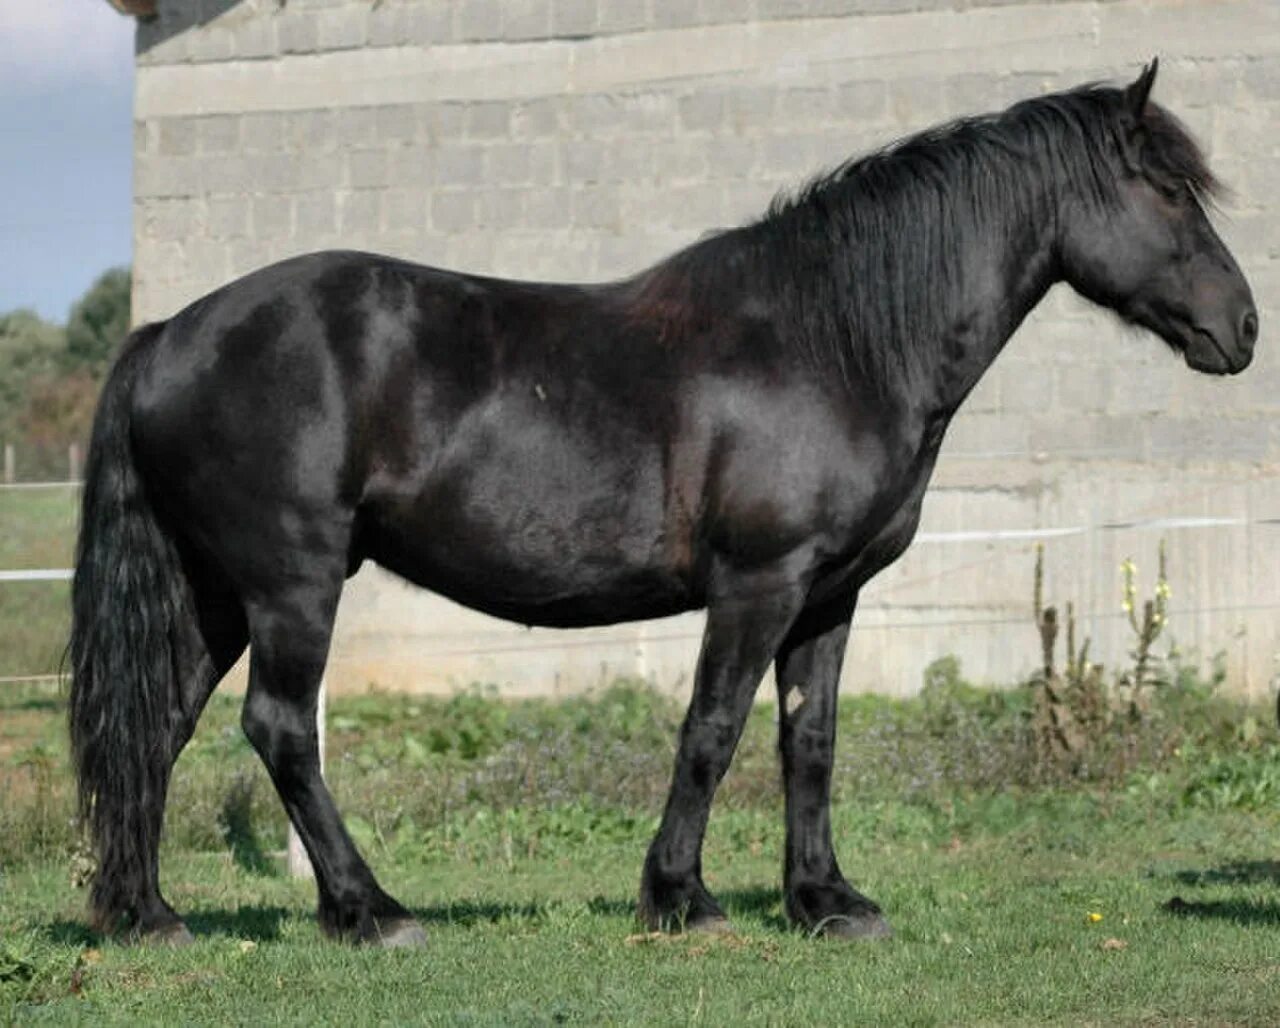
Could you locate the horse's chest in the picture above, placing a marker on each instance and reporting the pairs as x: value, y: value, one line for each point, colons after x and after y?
x: 883, y: 532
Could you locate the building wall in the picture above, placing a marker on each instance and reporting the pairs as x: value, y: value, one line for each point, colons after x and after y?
x: 583, y: 139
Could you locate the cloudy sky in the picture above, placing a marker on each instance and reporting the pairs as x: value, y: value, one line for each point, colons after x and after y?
x: 66, y: 99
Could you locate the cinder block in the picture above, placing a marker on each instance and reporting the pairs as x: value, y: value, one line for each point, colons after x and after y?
x: 594, y: 116
x: 218, y: 133
x: 227, y: 217
x: 618, y: 16
x: 488, y: 120
x: 752, y: 107
x: 674, y: 14
x: 478, y: 19
x: 720, y: 12
x: 173, y: 220
x: 397, y: 124
x: 212, y: 43
x: 535, y: 119
x: 975, y: 93
x: 263, y: 133
x: 176, y: 137
x: 311, y: 132
x: 548, y: 209
x: 1082, y: 389
x: 158, y: 176
x: 596, y: 207
x: 509, y: 163
x: 452, y: 210
x: 256, y: 37
x: 545, y: 165
x: 806, y: 106
x: 703, y: 111
x: 358, y: 212
x: 355, y: 127
x: 573, y: 17
x: 583, y: 161
x: 367, y: 169
x: 442, y: 122
x: 681, y: 160
x: 429, y: 23
x: 462, y: 165
x: 777, y: 9
x: 863, y: 101
x: 411, y: 166
x: 916, y: 103
x: 404, y: 209
x: 272, y: 218
x: 342, y: 28
x: 526, y: 19
x: 499, y: 209
x: 389, y: 25
x: 315, y: 216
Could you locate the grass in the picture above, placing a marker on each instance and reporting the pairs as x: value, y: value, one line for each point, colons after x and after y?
x: 516, y: 832
x: 37, y: 530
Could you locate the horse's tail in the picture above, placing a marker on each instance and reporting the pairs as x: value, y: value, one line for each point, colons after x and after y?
x: 128, y: 607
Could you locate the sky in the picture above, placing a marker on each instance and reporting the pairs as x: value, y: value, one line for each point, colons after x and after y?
x: 66, y: 140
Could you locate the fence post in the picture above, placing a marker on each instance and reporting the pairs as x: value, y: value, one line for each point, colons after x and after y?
x: 299, y: 862
x: 10, y: 464
x: 73, y: 462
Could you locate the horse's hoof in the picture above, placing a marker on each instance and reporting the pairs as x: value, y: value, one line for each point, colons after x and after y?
x: 174, y: 935
x: 867, y: 925
x: 402, y: 935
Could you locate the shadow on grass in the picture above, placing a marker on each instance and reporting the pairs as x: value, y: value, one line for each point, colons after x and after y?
x: 1241, y: 872
x: 1238, y: 911
x: 262, y: 924
x: 760, y: 905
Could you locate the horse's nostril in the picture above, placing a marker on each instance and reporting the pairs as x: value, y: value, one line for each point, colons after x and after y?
x: 1249, y: 328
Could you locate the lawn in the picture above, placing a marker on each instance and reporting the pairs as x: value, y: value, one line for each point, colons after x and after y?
x: 1141, y: 892
x: 37, y: 530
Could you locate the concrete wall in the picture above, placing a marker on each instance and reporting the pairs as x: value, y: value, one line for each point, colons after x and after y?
x: 582, y: 139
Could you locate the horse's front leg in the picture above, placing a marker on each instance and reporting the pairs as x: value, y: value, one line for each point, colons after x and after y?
x: 808, y: 671
x: 744, y: 628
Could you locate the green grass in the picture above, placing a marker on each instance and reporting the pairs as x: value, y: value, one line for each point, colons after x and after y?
x: 516, y: 831
x: 37, y: 530
x: 992, y: 927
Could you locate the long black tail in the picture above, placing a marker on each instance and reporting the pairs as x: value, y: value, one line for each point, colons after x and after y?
x: 129, y: 609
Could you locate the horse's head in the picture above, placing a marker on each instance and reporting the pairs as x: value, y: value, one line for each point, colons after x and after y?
x: 1144, y: 246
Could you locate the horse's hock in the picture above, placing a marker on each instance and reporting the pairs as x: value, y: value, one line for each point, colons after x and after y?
x: 584, y: 140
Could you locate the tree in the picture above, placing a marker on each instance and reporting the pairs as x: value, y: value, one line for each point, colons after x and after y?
x: 99, y: 321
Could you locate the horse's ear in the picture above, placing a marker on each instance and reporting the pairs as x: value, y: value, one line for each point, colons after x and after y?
x: 1137, y: 93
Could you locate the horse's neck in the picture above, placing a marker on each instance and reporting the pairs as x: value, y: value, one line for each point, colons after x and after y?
x: 1007, y: 280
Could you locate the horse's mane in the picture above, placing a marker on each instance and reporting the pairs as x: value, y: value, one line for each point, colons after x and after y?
x: 866, y: 259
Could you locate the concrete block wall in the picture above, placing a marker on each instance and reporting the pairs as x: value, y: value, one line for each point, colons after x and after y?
x: 584, y: 139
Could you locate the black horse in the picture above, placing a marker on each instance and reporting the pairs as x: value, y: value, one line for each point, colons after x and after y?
x: 747, y: 427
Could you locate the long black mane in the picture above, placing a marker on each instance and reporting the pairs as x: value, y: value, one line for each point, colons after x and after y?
x: 869, y: 259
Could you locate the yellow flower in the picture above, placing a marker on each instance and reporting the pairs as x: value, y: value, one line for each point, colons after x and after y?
x: 1094, y: 917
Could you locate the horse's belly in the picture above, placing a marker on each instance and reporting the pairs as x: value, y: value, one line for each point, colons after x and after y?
x: 573, y: 591
x: 575, y: 541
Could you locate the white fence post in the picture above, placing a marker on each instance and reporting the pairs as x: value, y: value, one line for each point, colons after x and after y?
x: 299, y: 862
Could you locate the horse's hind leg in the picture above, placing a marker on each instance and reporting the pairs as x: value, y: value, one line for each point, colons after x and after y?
x: 744, y: 629
x: 808, y: 671
x: 210, y: 647
x: 289, y: 633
